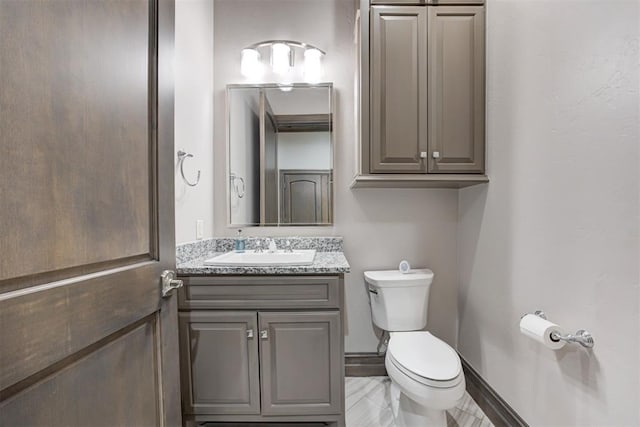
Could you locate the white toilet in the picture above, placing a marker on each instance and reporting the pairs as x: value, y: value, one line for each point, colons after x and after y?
x: 425, y: 372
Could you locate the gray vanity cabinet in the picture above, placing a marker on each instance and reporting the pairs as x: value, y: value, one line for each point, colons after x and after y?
x: 262, y: 349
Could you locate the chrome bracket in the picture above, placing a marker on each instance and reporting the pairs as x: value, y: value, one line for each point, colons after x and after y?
x: 582, y: 336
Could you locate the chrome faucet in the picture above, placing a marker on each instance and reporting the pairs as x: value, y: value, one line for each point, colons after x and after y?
x: 272, y: 246
x: 287, y: 246
x: 258, y: 248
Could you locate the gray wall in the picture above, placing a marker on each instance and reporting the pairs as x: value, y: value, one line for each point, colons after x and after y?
x: 193, y: 115
x: 557, y: 227
x: 380, y: 227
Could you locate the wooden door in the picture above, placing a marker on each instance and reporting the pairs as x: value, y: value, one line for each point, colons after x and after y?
x: 219, y: 362
x: 398, y: 89
x: 86, y: 214
x: 306, y: 196
x: 300, y: 363
x: 456, y: 89
x: 268, y: 163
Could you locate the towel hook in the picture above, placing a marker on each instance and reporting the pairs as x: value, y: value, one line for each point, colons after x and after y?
x: 181, y: 157
x: 235, y: 179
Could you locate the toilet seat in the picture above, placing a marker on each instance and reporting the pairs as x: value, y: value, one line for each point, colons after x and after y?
x: 425, y: 359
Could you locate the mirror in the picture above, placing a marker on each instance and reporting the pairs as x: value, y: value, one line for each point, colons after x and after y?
x: 280, y: 154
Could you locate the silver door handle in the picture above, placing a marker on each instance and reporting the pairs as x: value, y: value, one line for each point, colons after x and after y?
x: 264, y: 334
x: 169, y: 283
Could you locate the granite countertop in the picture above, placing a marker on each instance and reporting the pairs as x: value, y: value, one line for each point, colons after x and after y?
x: 329, y: 257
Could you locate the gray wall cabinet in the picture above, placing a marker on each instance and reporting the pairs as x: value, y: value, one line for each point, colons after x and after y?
x: 422, y: 93
x: 262, y: 349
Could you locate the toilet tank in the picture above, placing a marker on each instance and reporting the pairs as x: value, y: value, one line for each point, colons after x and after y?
x: 399, y: 301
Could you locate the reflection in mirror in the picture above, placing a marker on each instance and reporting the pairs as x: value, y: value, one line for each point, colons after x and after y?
x: 280, y: 166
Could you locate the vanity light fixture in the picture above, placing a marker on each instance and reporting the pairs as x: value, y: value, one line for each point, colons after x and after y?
x: 250, y: 65
x: 282, y: 59
x: 312, y: 65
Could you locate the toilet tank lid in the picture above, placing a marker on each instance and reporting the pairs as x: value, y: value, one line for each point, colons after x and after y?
x: 394, y: 278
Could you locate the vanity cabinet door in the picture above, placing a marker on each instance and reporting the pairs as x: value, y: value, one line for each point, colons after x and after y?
x: 456, y: 89
x: 219, y: 358
x: 301, y: 363
x: 398, y: 89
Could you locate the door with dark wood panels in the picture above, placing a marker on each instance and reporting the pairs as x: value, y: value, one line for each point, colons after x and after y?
x: 86, y: 214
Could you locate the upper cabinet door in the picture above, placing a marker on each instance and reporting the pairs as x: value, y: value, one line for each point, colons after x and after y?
x: 398, y: 89
x: 456, y: 89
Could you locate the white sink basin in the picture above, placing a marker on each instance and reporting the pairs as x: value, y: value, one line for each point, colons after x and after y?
x: 257, y: 259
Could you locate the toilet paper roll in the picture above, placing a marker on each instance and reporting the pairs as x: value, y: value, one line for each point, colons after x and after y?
x: 540, y: 330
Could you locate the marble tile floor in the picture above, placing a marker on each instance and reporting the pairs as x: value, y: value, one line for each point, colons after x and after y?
x: 368, y: 404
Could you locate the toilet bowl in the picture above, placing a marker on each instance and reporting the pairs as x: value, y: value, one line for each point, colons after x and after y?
x: 428, y: 376
x: 425, y: 372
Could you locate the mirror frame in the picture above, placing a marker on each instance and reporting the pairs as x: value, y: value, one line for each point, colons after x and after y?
x: 329, y: 86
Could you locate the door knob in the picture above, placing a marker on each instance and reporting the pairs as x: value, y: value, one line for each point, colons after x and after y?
x: 169, y: 283
x: 264, y: 334
x: 436, y: 155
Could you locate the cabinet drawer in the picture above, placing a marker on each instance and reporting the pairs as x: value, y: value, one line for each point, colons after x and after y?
x: 259, y: 292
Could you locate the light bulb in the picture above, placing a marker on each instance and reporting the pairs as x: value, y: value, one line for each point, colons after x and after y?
x: 280, y: 58
x: 250, y: 66
x: 312, y: 65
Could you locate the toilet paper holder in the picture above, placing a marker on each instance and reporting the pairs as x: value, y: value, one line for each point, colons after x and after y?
x: 582, y: 336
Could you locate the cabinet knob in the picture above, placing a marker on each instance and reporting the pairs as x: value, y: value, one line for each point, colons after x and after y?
x: 423, y: 154
x: 249, y: 333
x: 436, y: 155
x: 264, y: 334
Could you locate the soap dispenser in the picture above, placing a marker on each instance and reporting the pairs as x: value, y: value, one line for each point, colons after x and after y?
x: 240, y: 242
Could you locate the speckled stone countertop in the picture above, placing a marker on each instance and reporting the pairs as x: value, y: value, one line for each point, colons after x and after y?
x: 329, y: 257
